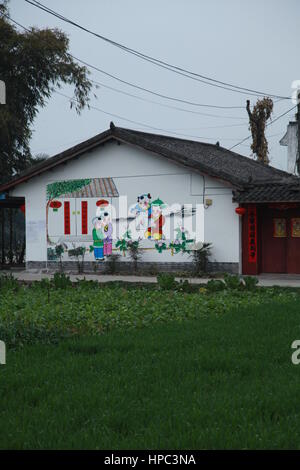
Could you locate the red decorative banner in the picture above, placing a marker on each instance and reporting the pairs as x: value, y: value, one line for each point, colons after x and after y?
x: 84, y: 226
x: 67, y: 218
x: 252, y: 235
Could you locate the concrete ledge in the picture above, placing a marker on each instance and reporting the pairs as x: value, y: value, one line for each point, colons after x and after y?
x: 265, y: 280
x: 127, y: 267
x: 217, y: 267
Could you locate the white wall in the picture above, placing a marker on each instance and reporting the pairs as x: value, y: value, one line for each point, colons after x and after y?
x: 290, y: 139
x: 136, y: 171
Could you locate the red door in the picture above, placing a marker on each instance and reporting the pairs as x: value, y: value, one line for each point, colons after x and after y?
x: 280, y: 241
x: 273, y: 242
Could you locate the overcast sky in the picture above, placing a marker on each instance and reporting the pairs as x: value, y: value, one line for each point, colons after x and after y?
x: 250, y: 43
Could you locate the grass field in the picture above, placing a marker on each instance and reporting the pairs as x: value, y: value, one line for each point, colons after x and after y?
x: 219, y: 378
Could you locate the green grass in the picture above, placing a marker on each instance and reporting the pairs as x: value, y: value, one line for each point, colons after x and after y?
x: 221, y: 379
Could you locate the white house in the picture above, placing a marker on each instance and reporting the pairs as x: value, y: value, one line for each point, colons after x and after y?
x: 169, y: 193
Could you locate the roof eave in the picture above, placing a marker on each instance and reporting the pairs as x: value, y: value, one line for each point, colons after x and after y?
x: 69, y: 154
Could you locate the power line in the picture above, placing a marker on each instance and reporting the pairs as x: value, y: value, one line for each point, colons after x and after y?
x: 140, y: 123
x: 241, y: 142
x: 208, y: 127
x: 170, y: 106
x: 146, y: 125
x: 159, y: 94
x: 176, y: 69
x: 271, y: 136
x: 269, y: 124
x: 192, y: 103
x: 145, y: 89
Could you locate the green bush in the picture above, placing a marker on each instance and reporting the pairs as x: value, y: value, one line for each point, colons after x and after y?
x: 61, y: 281
x: 8, y: 281
x: 59, y: 250
x: 135, y: 252
x: 215, y: 285
x: 166, y: 281
x: 87, y: 283
x: 185, y: 286
x: 200, y: 257
x: 232, y: 281
x: 78, y: 253
x: 250, y: 282
x: 19, y: 331
x: 33, y: 314
x: 44, y: 283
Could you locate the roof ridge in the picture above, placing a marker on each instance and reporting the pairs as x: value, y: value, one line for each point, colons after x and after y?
x: 203, y: 157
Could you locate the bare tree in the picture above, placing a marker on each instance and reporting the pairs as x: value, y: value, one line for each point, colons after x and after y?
x: 258, y: 117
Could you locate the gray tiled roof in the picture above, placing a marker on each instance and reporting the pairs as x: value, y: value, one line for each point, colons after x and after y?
x: 208, y: 158
x: 268, y: 193
x: 242, y: 172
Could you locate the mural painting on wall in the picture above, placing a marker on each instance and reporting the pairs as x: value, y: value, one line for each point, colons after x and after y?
x: 181, y: 243
x: 142, y: 211
x: 157, y: 220
x: 153, y: 214
x: 58, y: 189
x: 77, y: 214
x: 102, y: 231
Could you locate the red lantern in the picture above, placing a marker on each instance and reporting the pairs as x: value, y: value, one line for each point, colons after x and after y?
x: 102, y: 203
x: 240, y: 211
x: 55, y: 205
x: 22, y: 208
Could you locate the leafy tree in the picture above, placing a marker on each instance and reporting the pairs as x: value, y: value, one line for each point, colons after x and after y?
x: 257, y: 120
x: 32, y: 64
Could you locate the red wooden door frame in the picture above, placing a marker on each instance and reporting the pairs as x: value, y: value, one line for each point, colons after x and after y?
x: 265, y: 213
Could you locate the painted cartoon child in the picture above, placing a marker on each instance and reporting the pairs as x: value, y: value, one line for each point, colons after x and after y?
x: 98, y: 237
x: 142, y: 211
x: 155, y: 232
x: 102, y: 211
x: 108, y: 230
